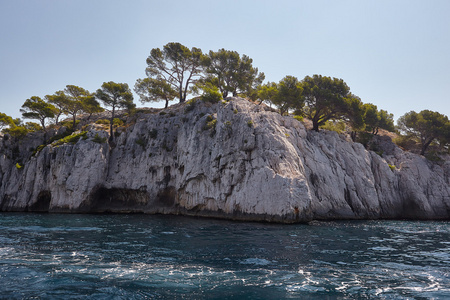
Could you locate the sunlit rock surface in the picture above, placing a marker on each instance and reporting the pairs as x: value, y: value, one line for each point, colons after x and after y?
x: 250, y: 164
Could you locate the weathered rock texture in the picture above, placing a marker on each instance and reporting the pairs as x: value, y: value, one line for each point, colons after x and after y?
x: 250, y: 164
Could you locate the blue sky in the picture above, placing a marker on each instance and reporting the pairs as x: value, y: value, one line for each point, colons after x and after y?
x: 395, y: 54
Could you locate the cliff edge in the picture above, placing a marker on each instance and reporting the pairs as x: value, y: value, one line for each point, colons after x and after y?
x: 233, y: 160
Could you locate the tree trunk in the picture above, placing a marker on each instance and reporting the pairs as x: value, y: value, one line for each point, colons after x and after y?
x: 181, y: 95
x: 315, y: 121
x: 74, y: 123
x: 315, y: 126
x: 167, y: 104
x: 111, y: 135
x: 43, y: 125
x: 425, y: 146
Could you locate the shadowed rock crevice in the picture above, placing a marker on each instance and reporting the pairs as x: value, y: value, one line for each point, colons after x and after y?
x: 116, y: 200
x: 166, y: 197
x: 42, y: 203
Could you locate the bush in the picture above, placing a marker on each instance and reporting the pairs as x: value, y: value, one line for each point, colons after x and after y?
x: 211, y: 94
x: 59, y: 136
x: 392, y: 167
x: 433, y: 156
x: 250, y: 123
x: 117, y: 122
x: 73, y: 139
x: 298, y: 118
x: 31, y: 126
x: 18, y: 166
x: 17, y: 131
x: 190, y: 105
x: 210, y: 124
x: 38, y: 149
x: 69, y: 124
x: 406, y: 142
x: 103, y: 122
x: 98, y: 139
x: 364, y: 138
x: 337, y: 126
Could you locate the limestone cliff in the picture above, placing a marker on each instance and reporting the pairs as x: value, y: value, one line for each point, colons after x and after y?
x: 232, y: 160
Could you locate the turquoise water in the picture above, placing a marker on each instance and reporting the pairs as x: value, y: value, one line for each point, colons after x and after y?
x: 52, y: 256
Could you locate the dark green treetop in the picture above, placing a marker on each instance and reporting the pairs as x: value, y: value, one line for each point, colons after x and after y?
x: 115, y: 96
x: 76, y: 96
x: 234, y: 74
x: 386, y: 120
x: 325, y: 99
x: 426, y: 126
x: 154, y: 90
x: 91, y: 105
x: 36, y: 108
x: 355, y: 113
x: 289, y: 95
x: 267, y: 92
x: 5, y: 121
x: 177, y: 65
x: 60, y: 100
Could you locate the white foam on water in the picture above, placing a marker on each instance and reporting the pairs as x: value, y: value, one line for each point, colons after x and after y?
x: 255, y: 261
x: 382, y: 248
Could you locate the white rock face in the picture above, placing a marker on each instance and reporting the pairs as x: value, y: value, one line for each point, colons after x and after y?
x: 249, y: 164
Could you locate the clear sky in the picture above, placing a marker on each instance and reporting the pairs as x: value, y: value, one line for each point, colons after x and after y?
x: 393, y: 53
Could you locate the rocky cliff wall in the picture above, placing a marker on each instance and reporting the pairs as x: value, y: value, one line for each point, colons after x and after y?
x: 231, y: 160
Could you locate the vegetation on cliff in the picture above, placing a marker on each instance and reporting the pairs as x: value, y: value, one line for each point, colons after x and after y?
x: 175, y: 71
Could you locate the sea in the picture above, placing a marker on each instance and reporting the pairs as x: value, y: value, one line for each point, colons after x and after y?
x: 137, y: 256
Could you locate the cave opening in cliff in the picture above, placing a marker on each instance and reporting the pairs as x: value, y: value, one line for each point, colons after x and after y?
x: 166, y: 197
x: 116, y: 200
x: 42, y: 203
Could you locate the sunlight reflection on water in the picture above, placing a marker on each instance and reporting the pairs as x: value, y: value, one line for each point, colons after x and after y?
x: 139, y: 256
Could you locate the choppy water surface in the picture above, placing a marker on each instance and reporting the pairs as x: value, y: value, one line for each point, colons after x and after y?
x: 139, y: 256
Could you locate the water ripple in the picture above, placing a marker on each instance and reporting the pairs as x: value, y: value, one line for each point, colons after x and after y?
x: 140, y: 257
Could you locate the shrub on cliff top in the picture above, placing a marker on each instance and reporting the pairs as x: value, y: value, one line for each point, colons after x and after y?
x: 69, y: 124
x: 73, y: 139
x: 337, y: 126
x: 298, y: 118
x: 117, y: 122
x: 102, y: 122
x: 190, y: 105
x: 17, y: 131
x: 211, y: 93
